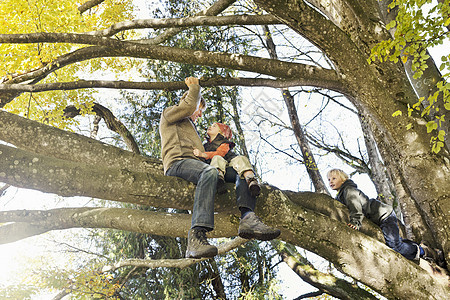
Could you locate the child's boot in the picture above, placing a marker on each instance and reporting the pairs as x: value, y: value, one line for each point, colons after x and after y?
x: 253, y: 185
x: 433, y: 255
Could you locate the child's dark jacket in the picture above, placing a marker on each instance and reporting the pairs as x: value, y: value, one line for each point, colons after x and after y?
x: 359, y: 205
x: 213, y: 145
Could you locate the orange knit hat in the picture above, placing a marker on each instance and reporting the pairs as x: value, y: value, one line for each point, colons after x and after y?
x: 225, y: 130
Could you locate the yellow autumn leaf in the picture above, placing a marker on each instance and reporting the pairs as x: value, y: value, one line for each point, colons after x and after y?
x: 397, y: 113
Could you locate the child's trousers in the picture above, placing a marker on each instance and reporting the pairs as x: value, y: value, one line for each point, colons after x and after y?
x: 391, y: 233
x: 239, y: 163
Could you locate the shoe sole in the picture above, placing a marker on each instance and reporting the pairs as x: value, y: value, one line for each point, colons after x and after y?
x: 248, y: 234
x: 209, y: 254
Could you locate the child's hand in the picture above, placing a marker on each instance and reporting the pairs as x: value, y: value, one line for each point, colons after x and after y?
x: 198, y: 153
x: 352, y: 226
x: 191, y: 80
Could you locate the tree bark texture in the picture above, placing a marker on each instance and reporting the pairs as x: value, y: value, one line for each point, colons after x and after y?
x: 59, y: 162
x: 378, y: 90
x: 307, y: 219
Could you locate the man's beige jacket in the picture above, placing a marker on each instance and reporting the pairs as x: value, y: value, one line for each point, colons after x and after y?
x: 179, y: 136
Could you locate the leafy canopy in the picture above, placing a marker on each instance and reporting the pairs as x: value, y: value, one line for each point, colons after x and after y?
x: 34, y: 16
x: 420, y: 25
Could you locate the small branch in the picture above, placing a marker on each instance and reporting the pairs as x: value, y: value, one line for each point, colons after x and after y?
x: 282, y: 151
x: 3, y: 189
x: 213, y: 10
x: 173, y: 263
x: 111, y: 121
x: 309, y: 295
x: 346, y: 156
x: 88, y: 5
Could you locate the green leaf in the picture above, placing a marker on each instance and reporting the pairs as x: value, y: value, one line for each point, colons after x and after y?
x: 441, y: 135
x: 432, y: 125
x: 447, y: 22
x: 397, y: 113
x: 437, y: 147
x: 391, y: 24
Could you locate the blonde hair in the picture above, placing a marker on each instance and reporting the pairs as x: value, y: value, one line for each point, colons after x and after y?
x: 338, y: 172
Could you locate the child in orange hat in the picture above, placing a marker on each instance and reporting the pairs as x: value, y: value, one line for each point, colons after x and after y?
x: 218, y: 152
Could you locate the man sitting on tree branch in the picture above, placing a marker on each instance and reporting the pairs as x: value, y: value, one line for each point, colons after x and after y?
x: 179, y: 138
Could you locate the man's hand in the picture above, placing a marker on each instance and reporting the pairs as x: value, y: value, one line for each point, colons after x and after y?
x: 352, y: 226
x: 191, y: 80
x: 199, y: 153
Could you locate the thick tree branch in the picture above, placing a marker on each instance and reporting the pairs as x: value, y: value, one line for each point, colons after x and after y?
x: 53, y: 142
x: 34, y: 222
x: 187, y: 22
x: 272, y: 67
x: 352, y: 252
x: 349, y: 250
x: 174, y: 263
x: 168, y: 86
x: 349, y: 14
x: 309, y: 75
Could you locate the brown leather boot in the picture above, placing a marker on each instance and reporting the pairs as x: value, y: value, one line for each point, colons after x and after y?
x: 198, y: 245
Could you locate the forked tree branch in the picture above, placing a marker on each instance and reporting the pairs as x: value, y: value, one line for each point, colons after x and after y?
x: 111, y: 121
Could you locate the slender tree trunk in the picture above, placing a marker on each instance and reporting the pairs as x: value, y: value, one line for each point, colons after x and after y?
x: 216, y: 281
x: 308, y: 157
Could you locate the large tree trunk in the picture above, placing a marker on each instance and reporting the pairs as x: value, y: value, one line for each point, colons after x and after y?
x: 378, y: 90
x: 309, y: 220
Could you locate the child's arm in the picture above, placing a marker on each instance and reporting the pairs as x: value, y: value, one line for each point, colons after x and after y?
x: 353, y: 203
x: 222, y: 150
x: 199, y: 153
